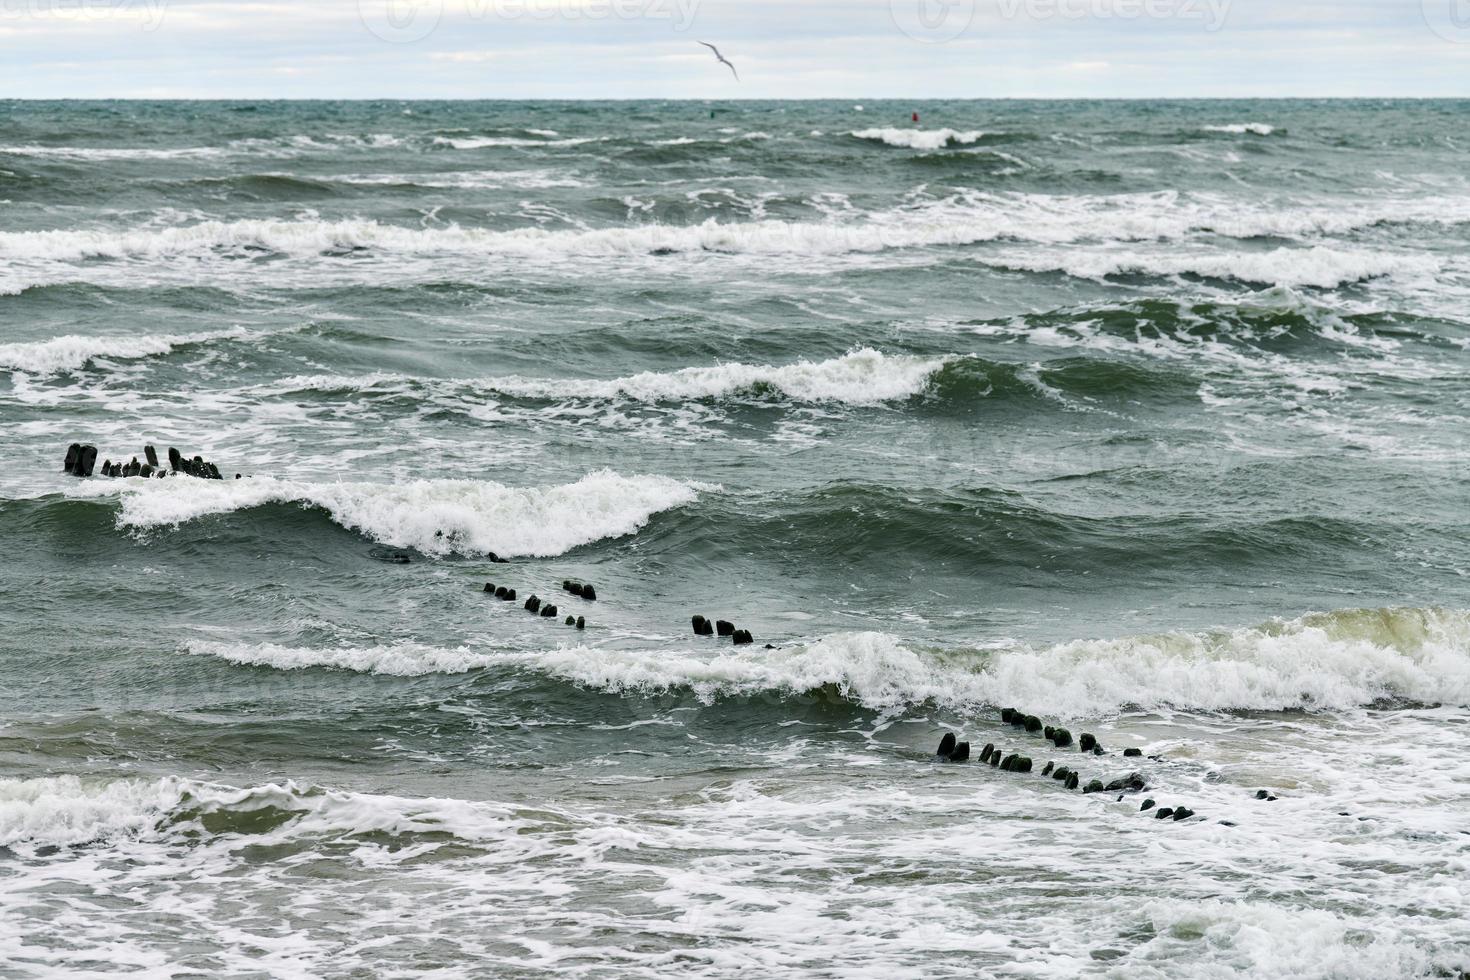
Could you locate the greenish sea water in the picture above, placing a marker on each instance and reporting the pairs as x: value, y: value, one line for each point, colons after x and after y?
x: 1148, y: 418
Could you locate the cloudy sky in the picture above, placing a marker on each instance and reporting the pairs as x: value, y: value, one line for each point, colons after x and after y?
x: 784, y: 48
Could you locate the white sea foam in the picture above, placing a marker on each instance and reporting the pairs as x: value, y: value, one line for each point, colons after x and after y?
x: 73, y: 351
x: 467, y: 179
x: 763, y: 857
x: 919, y: 139
x: 68, y: 810
x: 1329, y: 660
x: 278, y: 147
x: 434, y: 516
x: 861, y: 377
x: 113, y: 153
x: 395, y: 660
x: 64, y: 810
x: 963, y: 218
x: 1241, y: 129
x: 1333, y: 660
x: 480, y: 142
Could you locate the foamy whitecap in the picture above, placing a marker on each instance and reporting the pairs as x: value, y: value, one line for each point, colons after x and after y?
x: 1241, y: 129
x: 466, y: 179
x: 113, y: 153
x: 919, y: 139
x: 1341, y: 659
x: 964, y: 217
x: 73, y: 351
x: 64, y: 810
x: 480, y: 142
x: 68, y: 810
x: 435, y: 516
x: 1332, y: 660
x: 862, y: 377
x: 396, y: 660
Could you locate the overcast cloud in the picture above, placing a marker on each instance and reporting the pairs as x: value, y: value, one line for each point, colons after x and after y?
x: 647, y: 49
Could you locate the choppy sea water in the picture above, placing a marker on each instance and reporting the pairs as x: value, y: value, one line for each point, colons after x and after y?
x: 1147, y: 418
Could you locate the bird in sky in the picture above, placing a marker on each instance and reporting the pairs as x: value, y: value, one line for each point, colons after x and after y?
x: 721, y: 59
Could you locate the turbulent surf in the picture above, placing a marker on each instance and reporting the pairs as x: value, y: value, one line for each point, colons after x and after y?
x: 1145, y: 420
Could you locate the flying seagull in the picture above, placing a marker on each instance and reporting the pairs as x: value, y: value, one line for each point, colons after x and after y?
x: 721, y: 59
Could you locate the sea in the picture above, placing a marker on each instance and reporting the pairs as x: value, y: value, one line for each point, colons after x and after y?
x: 1150, y: 420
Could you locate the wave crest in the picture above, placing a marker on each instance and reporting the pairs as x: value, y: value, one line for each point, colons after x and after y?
x: 919, y: 139
x: 71, y: 352
x: 471, y: 517
x: 1337, y: 660
x: 861, y: 377
x: 1241, y: 129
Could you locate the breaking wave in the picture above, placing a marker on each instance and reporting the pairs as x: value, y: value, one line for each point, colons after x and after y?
x: 862, y: 377
x: 66, y: 810
x: 439, y: 517
x: 919, y: 139
x: 1335, y: 660
x: 1241, y: 129
x: 963, y: 218
x: 71, y: 352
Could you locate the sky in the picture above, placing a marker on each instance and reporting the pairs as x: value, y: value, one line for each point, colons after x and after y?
x: 595, y: 49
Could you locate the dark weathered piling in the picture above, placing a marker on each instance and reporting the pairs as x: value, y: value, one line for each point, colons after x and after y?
x: 1132, y: 783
